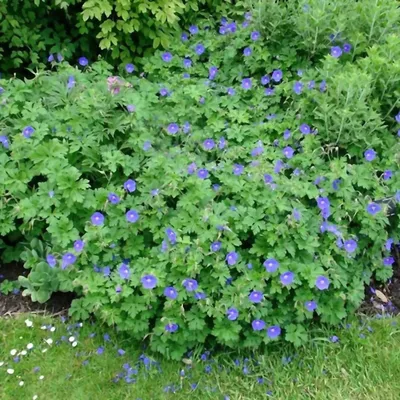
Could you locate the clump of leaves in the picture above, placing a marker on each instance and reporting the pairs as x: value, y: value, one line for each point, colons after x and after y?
x: 227, y: 193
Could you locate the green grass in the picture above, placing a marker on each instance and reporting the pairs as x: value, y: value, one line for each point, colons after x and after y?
x: 355, y: 368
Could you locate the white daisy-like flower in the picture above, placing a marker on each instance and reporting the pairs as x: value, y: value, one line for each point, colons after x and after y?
x: 29, y: 346
x: 28, y: 323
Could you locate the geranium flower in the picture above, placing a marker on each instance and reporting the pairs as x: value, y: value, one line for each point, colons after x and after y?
x: 149, y: 281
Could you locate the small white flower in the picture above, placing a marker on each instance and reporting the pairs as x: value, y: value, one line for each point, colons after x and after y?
x: 21, y: 383
x: 41, y: 377
x: 10, y: 371
x: 80, y: 324
x: 1, y: 363
x: 74, y: 344
x: 23, y: 353
x: 13, y: 352
x: 44, y: 350
x: 28, y: 323
x: 49, y: 341
x: 35, y: 397
x: 43, y: 327
x: 29, y: 346
x: 71, y: 339
x: 52, y: 329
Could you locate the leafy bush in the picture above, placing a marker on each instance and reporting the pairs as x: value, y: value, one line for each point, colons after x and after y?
x: 119, y: 29
x: 230, y: 192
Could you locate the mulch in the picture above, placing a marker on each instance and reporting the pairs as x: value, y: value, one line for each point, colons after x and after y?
x: 378, y: 298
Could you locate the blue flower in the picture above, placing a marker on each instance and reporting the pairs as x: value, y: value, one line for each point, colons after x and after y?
x: 271, y: 265
x: 322, y: 86
x: 146, y: 145
x: 173, y: 128
x: 171, y: 293
x: 28, y: 131
x: 129, y: 68
x: 193, y: 29
x: 200, y: 296
x: 191, y: 168
x: 97, y: 219
x: 310, y: 305
x: 190, y: 285
x: 187, y: 62
x: 79, y: 245
x: 388, y: 261
x: 373, y: 208
x: 132, y: 216
x: 4, y: 141
x: 131, y: 108
x: 124, y: 271
x: 106, y: 271
x: 247, y: 51
x: 113, y: 198
x: 67, y: 259
x: 199, y: 49
x: 246, y: 83
x: 83, y: 61
x: 265, y: 80
x: 202, y: 173
x: 51, y: 260
x: 232, y: 258
x: 208, y: 144
x: 387, y: 175
x: 258, y: 325
x: 350, y: 245
x: 149, y: 281
x: 212, y: 72
x: 336, y: 51
x: 171, y: 327
x: 186, y: 127
x: 130, y: 185
x: 277, y: 75
x: 238, y: 169
x: 305, y: 129
x: 296, y: 214
x: 288, y: 152
x: 389, y: 244
x: 322, y: 282
x: 184, y: 37
x: 232, y: 314
x: 164, y: 92
x: 222, y: 143
x: 287, y: 278
x: 311, y: 85
x: 347, y: 48
x: 71, y: 82
x: 370, y: 154
x: 216, y: 246
x: 256, y: 297
x: 166, y: 57
x: 397, y: 117
x: 231, y: 91
x: 255, y: 35
x: 269, y: 91
x: 273, y: 331
x: 257, y: 151
x: 171, y: 235
x: 298, y: 87
x: 268, y: 179
x: 323, y: 203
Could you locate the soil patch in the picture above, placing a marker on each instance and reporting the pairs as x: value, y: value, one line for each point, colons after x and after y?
x: 13, y: 303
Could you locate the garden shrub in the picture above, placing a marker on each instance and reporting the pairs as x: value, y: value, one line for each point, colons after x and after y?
x: 33, y: 31
x: 229, y: 192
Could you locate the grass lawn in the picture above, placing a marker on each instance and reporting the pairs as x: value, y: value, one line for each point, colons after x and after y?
x: 363, y: 364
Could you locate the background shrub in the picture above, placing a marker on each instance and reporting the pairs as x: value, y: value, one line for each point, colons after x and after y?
x: 119, y: 30
x: 269, y: 188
